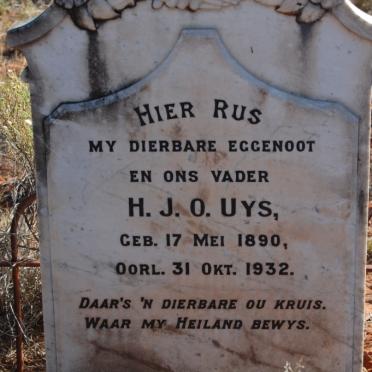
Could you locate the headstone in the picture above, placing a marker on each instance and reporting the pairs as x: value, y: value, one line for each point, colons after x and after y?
x: 202, y: 182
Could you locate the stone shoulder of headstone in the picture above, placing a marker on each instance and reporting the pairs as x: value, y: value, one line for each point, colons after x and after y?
x: 89, y: 14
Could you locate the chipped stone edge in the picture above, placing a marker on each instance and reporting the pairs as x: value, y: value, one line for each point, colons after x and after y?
x: 214, y: 36
x: 35, y: 28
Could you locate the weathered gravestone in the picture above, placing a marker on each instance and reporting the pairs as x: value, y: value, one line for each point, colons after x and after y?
x: 202, y: 172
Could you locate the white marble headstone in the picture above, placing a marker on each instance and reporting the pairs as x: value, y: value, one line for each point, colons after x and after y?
x: 202, y: 181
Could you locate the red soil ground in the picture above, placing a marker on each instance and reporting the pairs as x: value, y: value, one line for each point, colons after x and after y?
x: 368, y: 324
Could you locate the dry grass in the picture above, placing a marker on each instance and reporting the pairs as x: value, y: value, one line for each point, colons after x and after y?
x: 12, y: 11
x: 16, y: 182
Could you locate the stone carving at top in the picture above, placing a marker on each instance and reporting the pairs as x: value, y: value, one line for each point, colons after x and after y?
x: 87, y: 14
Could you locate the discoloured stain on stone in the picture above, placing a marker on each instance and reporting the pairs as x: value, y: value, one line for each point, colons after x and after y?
x: 98, y: 77
x: 134, y: 357
x: 242, y: 356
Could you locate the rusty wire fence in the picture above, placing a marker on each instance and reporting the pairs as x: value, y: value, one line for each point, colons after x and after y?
x: 15, y: 263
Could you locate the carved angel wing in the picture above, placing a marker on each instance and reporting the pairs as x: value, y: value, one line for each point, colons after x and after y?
x: 87, y: 14
x: 307, y: 11
x: 194, y: 5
